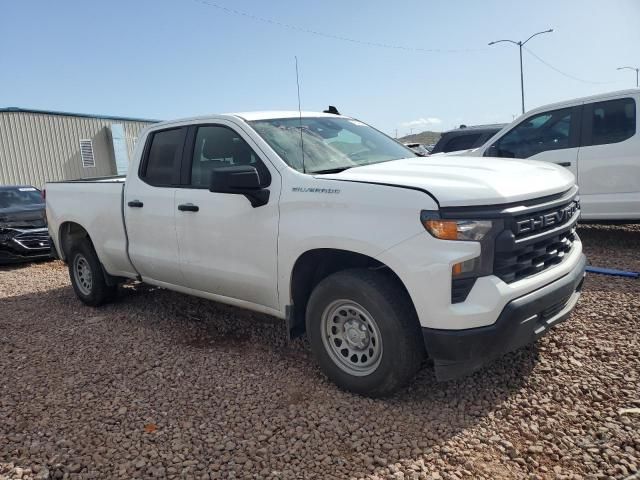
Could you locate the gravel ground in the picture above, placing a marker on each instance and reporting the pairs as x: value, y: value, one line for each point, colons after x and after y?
x: 163, y: 385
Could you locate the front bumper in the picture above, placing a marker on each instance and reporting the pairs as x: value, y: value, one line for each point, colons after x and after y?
x: 522, y: 321
x: 24, y: 245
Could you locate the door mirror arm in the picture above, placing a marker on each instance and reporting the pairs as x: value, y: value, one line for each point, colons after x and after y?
x: 240, y: 180
x: 492, y: 151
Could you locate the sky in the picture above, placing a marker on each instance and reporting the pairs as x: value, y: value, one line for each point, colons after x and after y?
x: 402, y: 66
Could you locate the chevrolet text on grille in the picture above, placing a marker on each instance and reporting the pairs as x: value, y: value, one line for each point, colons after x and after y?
x: 539, y: 222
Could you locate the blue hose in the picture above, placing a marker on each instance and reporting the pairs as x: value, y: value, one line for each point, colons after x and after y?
x: 613, y: 272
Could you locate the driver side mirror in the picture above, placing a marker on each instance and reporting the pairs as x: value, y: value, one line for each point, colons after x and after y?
x: 492, y: 151
x: 239, y: 180
x: 495, y: 151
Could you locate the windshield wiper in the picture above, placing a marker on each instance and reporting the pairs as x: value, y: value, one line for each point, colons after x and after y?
x: 334, y: 170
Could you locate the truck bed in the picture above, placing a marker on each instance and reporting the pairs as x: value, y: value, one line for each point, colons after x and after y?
x: 96, y: 204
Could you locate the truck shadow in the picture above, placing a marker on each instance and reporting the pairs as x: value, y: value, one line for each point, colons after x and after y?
x: 223, y: 325
x: 447, y: 406
x: 610, y: 235
x: 7, y: 267
x: 72, y: 348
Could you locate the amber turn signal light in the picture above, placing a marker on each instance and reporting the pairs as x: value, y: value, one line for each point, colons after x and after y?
x: 442, y: 229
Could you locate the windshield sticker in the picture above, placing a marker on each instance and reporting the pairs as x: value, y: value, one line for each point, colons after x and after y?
x: 27, y: 189
x: 315, y: 190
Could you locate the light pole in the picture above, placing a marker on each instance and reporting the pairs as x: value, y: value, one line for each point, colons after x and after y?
x: 636, y: 69
x: 521, y: 44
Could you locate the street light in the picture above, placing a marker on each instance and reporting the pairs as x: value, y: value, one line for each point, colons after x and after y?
x: 520, y: 45
x: 636, y: 69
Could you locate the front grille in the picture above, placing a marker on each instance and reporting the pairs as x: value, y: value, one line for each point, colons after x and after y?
x: 527, y: 237
x: 533, y: 257
x: 35, y: 240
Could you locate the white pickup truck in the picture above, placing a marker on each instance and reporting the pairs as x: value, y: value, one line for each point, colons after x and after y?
x: 382, y: 257
x: 596, y: 138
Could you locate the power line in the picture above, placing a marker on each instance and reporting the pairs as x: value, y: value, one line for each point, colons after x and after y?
x: 289, y: 26
x: 572, y: 77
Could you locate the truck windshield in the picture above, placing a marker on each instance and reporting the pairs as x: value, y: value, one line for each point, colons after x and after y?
x: 18, y: 197
x: 330, y: 144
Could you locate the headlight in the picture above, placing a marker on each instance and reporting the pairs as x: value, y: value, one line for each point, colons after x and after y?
x: 468, y: 230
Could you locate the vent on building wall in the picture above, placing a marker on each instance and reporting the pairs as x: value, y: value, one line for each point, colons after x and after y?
x: 86, y: 152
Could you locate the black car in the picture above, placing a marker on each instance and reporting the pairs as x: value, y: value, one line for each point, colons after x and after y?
x: 465, y: 138
x: 23, y: 225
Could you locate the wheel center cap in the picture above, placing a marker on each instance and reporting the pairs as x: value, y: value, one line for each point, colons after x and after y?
x: 356, y: 335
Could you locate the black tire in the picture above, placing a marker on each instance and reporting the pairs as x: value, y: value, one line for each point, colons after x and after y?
x: 387, y: 303
x: 96, y: 292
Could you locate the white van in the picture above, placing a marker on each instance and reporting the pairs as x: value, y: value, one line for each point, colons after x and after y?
x: 595, y: 137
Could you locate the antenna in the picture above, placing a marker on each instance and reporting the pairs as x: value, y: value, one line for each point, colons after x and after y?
x: 300, y: 116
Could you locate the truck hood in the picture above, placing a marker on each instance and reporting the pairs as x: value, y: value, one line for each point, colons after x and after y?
x: 466, y: 181
x: 29, y: 216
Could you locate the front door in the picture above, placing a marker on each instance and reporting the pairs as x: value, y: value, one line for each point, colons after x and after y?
x: 227, y: 247
x: 551, y: 136
x: 149, y: 208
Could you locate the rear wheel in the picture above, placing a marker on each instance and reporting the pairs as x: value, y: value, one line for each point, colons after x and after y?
x: 364, y: 332
x: 87, y: 276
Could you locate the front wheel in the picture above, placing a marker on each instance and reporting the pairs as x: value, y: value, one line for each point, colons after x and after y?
x: 364, y: 332
x: 87, y: 277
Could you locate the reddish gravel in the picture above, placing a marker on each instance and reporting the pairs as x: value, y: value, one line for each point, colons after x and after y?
x: 163, y: 385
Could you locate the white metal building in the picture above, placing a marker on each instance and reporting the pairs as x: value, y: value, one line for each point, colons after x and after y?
x: 38, y: 146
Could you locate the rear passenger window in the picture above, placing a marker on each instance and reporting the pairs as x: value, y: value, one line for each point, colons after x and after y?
x: 218, y: 146
x: 162, y: 165
x: 611, y: 122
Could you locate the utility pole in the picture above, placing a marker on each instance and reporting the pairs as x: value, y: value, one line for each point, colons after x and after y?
x: 636, y: 69
x: 521, y: 44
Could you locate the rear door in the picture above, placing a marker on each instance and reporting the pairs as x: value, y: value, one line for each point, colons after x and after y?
x: 149, y: 208
x: 551, y: 136
x: 609, y: 160
x: 227, y: 247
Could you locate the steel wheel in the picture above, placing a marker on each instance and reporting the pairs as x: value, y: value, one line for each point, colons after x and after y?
x: 82, y: 274
x: 351, y: 337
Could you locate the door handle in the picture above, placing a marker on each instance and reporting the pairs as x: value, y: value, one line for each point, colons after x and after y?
x: 188, y: 207
x: 135, y: 204
x: 565, y: 164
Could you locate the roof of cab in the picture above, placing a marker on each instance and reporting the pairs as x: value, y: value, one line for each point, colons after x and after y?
x: 250, y: 116
x: 277, y: 114
x: 590, y: 98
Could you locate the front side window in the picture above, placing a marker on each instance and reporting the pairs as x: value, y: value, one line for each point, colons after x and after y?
x: 611, y: 121
x: 164, y: 156
x: 540, y: 133
x: 329, y: 144
x: 217, y: 146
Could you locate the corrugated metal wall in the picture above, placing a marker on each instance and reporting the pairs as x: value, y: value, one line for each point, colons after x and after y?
x: 37, y: 147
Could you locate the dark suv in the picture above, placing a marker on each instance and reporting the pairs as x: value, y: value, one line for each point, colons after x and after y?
x: 23, y: 225
x: 465, y: 138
